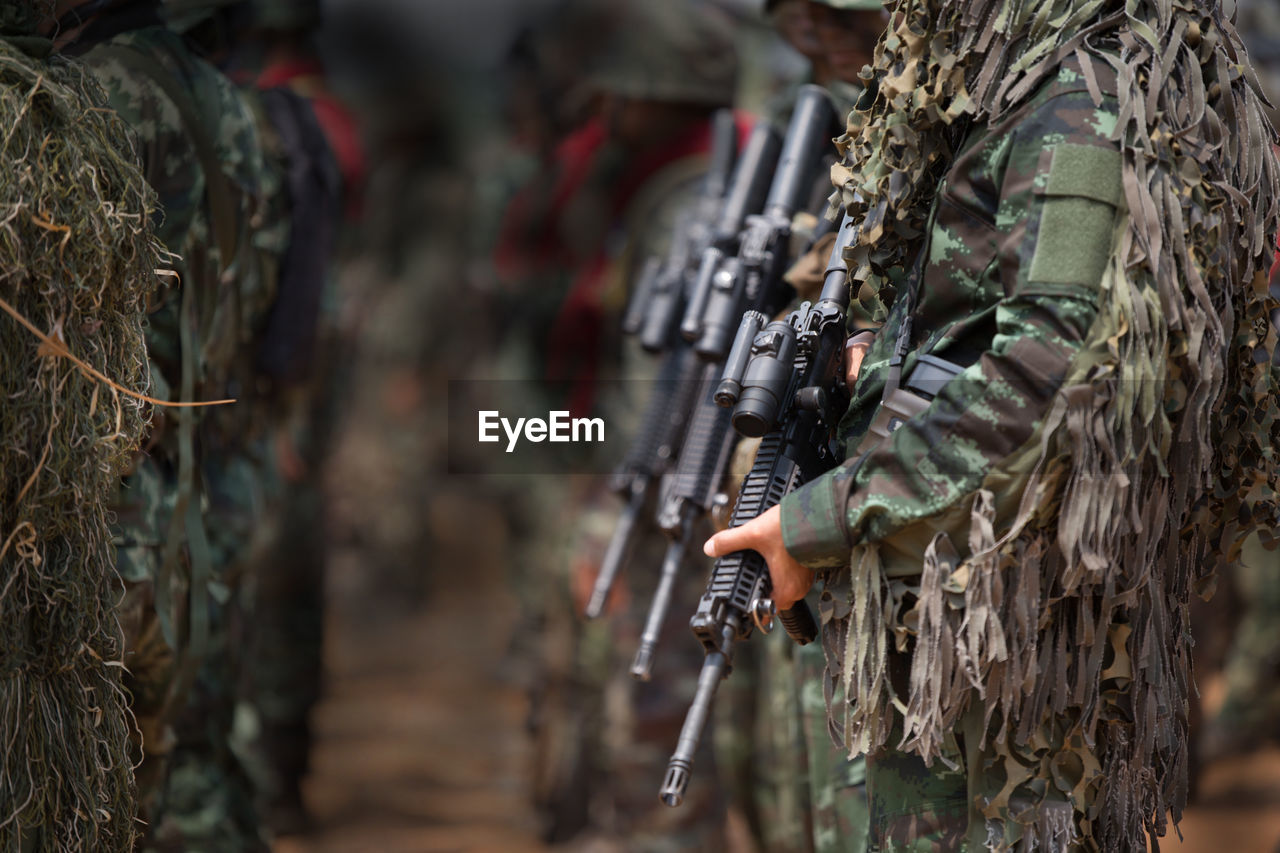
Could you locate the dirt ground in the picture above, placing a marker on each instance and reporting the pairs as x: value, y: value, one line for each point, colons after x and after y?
x: 420, y: 744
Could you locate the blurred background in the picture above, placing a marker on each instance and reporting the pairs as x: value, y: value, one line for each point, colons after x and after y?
x: 507, y: 160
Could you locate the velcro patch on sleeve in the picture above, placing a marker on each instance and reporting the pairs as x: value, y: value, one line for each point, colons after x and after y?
x: 1087, y: 171
x: 1078, y: 221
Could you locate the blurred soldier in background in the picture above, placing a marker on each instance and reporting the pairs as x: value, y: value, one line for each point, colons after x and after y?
x: 569, y: 248
x: 799, y: 790
x: 836, y: 38
x: 272, y: 678
x: 1240, y: 619
x: 269, y: 46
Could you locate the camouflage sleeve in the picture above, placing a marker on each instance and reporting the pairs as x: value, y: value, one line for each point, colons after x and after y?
x: 168, y: 158
x: 1058, y: 180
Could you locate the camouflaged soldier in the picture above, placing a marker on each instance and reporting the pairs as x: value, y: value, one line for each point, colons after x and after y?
x: 277, y: 661
x: 602, y: 737
x: 804, y: 793
x: 187, y: 510
x: 78, y: 262
x: 301, y: 354
x: 1069, y: 210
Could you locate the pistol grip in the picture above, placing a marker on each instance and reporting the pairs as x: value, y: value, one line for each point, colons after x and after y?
x: 799, y: 623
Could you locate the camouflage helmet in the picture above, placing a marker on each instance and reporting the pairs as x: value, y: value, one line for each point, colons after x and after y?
x: 681, y: 52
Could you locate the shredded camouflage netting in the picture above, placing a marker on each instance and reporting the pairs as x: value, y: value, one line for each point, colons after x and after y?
x: 1069, y: 614
x: 77, y: 260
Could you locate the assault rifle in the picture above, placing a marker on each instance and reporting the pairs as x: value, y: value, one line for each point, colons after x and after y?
x: 662, y: 286
x: 657, y: 444
x: 729, y: 283
x: 783, y: 381
x: 731, y: 280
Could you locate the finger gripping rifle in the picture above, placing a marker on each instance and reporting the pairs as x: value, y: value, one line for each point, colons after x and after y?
x: 783, y: 382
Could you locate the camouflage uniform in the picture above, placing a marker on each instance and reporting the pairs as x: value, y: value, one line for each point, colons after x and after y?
x: 978, y: 658
x: 807, y: 794
x: 304, y: 128
x: 188, y: 512
x: 603, y: 739
x: 973, y: 284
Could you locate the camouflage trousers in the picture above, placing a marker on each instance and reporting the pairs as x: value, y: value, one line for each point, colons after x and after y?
x: 193, y: 791
x: 799, y: 792
x: 933, y: 809
x: 603, y: 739
x: 143, y: 510
x: 282, y: 679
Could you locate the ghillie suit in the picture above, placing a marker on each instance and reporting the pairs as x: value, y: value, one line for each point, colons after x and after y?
x: 1055, y: 647
x: 77, y: 261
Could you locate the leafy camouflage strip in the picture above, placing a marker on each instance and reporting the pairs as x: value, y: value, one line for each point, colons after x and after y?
x: 1068, y: 611
x: 77, y: 258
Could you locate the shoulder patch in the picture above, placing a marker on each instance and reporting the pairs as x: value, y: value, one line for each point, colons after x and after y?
x: 1088, y: 171
x: 1082, y: 194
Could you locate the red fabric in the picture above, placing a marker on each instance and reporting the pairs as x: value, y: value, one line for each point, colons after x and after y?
x: 530, y: 241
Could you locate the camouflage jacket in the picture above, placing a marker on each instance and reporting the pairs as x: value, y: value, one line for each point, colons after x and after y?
x: 203, y: 154
x: 207, y: 241
x: 1021, y: 230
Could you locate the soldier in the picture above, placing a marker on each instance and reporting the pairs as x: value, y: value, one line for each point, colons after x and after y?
x: 805, y: 794
x: 836, y: 38
x: 187, y: 513
x: 1006, y: 580
x: 78, y: 263
x: 619, y: 181
x: 315, y: 138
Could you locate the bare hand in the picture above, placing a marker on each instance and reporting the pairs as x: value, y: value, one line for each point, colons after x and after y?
x: 854, y: 352
x: 763, y: 534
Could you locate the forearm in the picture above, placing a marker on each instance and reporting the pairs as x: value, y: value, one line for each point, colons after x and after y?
x: 939, y: 457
